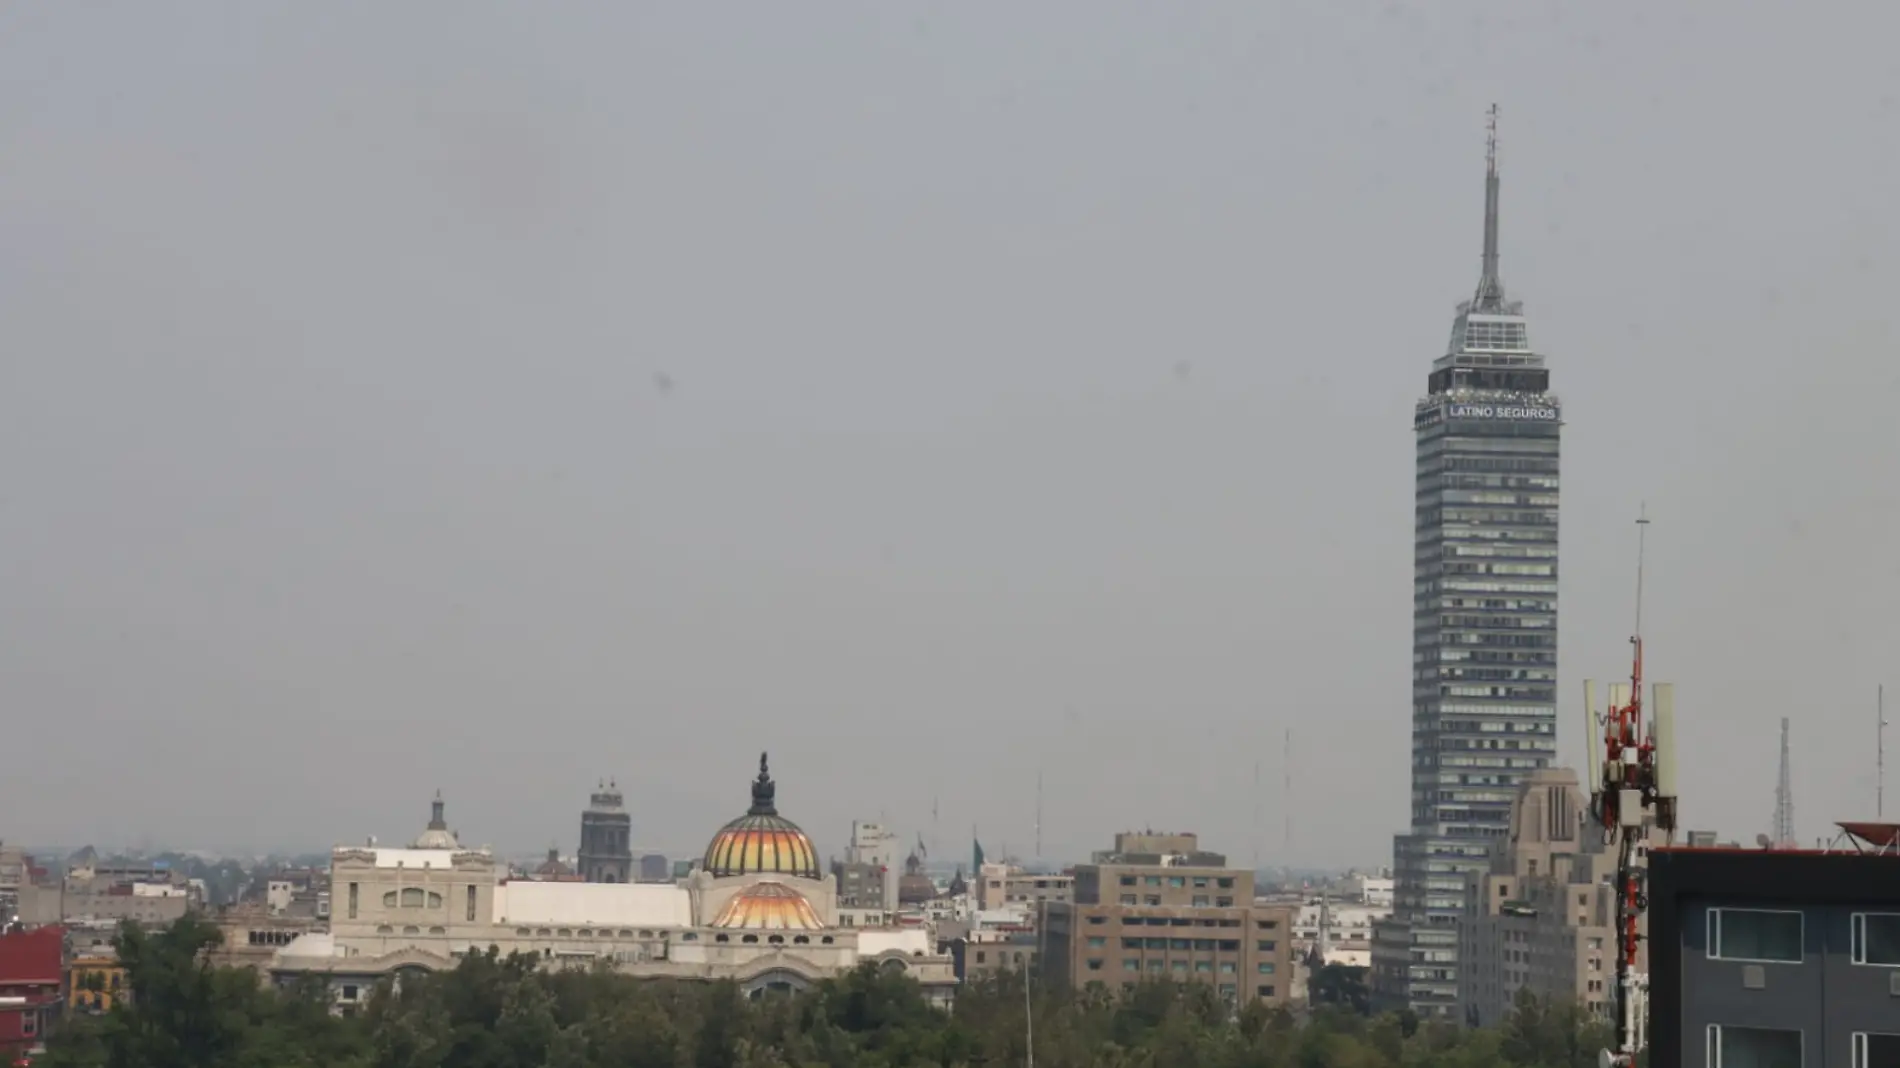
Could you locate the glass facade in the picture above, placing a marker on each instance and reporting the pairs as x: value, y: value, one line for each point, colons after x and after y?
x: 1484, y: 628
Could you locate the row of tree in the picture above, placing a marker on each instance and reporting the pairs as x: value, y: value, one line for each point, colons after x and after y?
x: 493, y: 1012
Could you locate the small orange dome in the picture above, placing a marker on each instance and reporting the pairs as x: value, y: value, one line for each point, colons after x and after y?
x: 771, y: 906
x: 762, y: 842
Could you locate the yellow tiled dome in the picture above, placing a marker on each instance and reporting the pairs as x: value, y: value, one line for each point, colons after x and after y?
x: 762, y: 842
x: 769, y: 906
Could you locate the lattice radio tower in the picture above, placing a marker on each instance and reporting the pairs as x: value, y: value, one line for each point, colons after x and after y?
x: 1784, y: 797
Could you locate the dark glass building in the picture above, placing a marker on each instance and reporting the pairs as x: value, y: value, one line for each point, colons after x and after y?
x: 1484, y: 625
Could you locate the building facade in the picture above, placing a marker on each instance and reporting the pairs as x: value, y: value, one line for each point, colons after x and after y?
x: 1543, y: 918
x: 1184, y: 916
x: 1484, y: 630
x: 1776, y: 957
x: 757, y: 911
x: 32, y: 988
x: 606, y: 854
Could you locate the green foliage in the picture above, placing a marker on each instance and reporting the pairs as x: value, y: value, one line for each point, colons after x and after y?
x: 503, y: 1012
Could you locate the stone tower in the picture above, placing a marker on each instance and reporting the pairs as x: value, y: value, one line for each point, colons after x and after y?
x: 606, y: 854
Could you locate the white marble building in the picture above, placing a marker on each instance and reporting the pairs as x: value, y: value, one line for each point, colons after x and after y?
x: 759, y: 912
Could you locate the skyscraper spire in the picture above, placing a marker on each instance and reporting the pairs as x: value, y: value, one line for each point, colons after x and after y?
x: 1490, y: 296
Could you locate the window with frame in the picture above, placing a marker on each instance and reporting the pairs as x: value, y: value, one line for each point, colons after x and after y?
x: 1877, y: 939
x: 1753, y: 1047
x: 1875, y: 1050
x: 1755, y: 935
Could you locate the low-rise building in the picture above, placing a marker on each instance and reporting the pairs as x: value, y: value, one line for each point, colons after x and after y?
x: 1777, y: 956
x: 95, y: 982
x: 1183, y: 915
x: 32, y: 985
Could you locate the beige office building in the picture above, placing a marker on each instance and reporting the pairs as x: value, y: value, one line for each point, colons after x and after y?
x: 1158, y: 907
x: 1543, y: 918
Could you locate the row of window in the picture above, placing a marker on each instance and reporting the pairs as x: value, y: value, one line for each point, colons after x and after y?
x: 1777, y: 937
x: 1204, y: 967
x: 1205, y: 945
x: 1766, y: 1047
x: 1224, y: 882
x: 1200, y: 901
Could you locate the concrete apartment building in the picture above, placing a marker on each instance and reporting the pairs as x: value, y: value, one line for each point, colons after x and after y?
x: 1543, y: 917
x: 1160, y: 907
x: 1003, y: 885
x: 1777, y: 957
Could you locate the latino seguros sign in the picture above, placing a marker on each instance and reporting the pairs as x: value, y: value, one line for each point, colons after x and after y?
x: 1529, y: 412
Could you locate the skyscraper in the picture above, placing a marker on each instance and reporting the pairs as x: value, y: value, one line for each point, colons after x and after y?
x: 1484, y: 624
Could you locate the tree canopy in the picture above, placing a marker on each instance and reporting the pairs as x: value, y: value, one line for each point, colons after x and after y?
x: 502, y: 1012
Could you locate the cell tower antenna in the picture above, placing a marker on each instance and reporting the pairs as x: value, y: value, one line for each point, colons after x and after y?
x: 1634, y: 796
x: 1256, y: 815
x: 1038, y: 813
x: 1784, y: 797
x: 1642, y: 538
x: 1286, y: 796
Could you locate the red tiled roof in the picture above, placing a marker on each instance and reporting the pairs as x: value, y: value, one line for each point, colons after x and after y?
x: 36, y: 956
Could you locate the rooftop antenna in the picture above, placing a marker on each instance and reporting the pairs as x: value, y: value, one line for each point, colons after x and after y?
x: 1490, y: 296
x: 1256, y: 815
x: 1784, y: 798
x: 1038, y: 813
x: 1286, y: 797
x: 1880, y: 753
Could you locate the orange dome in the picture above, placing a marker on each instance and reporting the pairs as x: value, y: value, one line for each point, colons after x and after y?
x: 771, y: 906
x: 762, y: 842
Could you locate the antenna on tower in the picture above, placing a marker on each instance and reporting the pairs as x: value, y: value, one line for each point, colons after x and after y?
x: 1490, y: 296
x: 1642, y: 541
x: 1256, y: 815
x: 1880, y: 752
x: 1784, y: 797
x: 1286, y: 797
x: 1038, y: 813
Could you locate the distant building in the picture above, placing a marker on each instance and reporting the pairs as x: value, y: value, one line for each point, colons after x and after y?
x: 655, y: 868
x: 1777, y: 957
x: 251, y: 935
x: 1001, y: 885
x: 1543, y: 918
x: 1016, y: 952
x: 606, y: 854
x: 32, y: 981
x: 1161, y: 907
x: 96, y: 983
x: 555, y: 870
x: 873, y: 850
x: 758, y: 912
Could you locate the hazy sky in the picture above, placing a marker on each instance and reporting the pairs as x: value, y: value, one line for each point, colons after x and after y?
x: 1041, y: 390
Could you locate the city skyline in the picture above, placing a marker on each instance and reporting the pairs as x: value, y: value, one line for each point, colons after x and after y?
x: 493, y: 403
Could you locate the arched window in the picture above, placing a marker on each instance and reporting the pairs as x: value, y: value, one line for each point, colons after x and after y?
x: 777, y: 940
x: 412, y: 930
x: 471, y: 903
x: 750, y: 939
x: 412, y: 897
x: 801, y: 940
x: 438, y: 930
x: 721, y: 938
x: 389, y: 900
